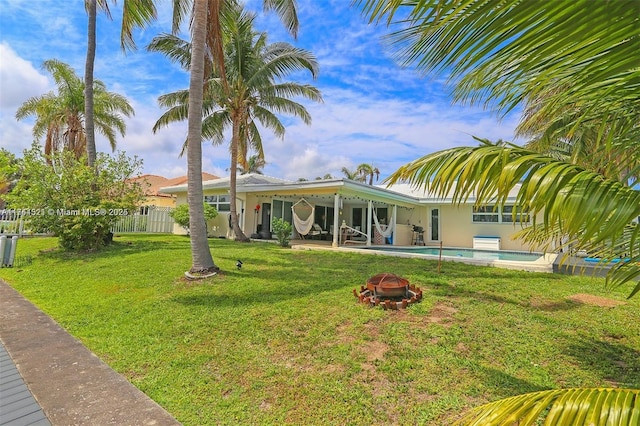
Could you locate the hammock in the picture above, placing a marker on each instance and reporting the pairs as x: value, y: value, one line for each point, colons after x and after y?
x: 303, y: 226
x: 386, y: 233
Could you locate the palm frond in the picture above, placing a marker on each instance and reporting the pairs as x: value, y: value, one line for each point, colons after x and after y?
x: 570, y: 199
x: 173, y: 47
x: 135, y: 14
x: 501, y: 54
x: 580, y: 406
x: 286, y: 11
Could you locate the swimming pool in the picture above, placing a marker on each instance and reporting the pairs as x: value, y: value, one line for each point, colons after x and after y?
x: 462, y: 252
x: 523, y: 261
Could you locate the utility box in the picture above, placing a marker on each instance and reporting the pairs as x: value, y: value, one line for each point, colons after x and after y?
x: 8, y: 249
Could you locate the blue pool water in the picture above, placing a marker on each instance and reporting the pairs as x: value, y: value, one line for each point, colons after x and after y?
x: 465, y: 253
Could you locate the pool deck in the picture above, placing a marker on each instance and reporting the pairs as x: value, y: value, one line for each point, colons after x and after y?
x: 579, y: 266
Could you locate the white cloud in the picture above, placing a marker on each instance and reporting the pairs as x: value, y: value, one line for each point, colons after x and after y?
x: 374, y: 112
x: 19, y: 79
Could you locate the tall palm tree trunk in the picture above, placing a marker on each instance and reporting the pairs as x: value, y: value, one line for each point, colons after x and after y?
x: 88, y: 83
x: 202, y: 261
x: 235, y: 140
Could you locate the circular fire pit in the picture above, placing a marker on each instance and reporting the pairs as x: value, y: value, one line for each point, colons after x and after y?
x: 388, y: 290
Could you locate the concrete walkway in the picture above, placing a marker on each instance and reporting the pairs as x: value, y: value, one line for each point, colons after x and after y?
x: 71, y: 384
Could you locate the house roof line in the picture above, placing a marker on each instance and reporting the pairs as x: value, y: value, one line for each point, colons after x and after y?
x: 400, y: 193
x: 261, y: 183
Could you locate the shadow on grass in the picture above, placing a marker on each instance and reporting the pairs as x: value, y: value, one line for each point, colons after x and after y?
x: 118, y: 248
x: 617, y: 363
x: 449, y: 290
x: 503, y: 385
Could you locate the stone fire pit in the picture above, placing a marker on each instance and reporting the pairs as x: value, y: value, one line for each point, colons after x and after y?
x: 388, y: 290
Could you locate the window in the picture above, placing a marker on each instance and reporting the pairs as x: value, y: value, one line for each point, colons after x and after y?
x: 220, y: 202
x: 495, y: 214
x: 508, y: 217
x: 484, y: 214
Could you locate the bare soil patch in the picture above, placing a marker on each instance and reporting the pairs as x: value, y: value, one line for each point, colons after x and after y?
x: 589, y: 299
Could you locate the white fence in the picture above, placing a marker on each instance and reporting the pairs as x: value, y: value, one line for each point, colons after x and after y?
x: 13, y: 221
x: 149, y: 219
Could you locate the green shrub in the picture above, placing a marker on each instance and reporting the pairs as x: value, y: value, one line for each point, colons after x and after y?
x: 79, y: 204
x: 282, y: 229
x: 181, y: 214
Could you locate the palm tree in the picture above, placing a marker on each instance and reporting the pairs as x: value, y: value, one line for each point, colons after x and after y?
x: 206, y: 49
x: 367, y: 171
x: 255, y: 164
x: 575, y: 66
x: 89, y: 123
x: 559, y: 77
x: 351, y: 175
x: 253, y: 74
x: 135, y: 13
x: 60, y: 116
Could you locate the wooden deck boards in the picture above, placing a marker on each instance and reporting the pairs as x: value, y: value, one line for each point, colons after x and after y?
x: 18, y: 407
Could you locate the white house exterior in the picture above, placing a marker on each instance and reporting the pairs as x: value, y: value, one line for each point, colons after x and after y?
x: 342, y: 206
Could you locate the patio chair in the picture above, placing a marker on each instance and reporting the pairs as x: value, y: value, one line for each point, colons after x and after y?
x: 316, y: 230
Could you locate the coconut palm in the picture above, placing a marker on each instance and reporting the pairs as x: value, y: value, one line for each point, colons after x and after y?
x: 351, y: 174
x: 89, y: 122
x: 254, y: 164
x: 367, y: 171
x: 549, y: 66
x: 135, y: 13
x: 574, y: 65
x: 59, y: 117
x: 256, y: 93
x: 206, y: 49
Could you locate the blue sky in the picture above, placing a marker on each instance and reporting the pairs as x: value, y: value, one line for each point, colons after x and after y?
x: 374, y: 110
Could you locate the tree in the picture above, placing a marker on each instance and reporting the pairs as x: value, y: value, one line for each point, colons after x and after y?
x: 10, y: 171
x: 351, y: 175
x: 255, y: 164
x: 207, y: 40
x: 574, y: 66
x: 181, y: 214
x: 367, y: 171
x: 76, y: 202
x: 325, y: 177
x: 135, y: 13
x: 254, y: 72
x: 524, y: 53
x: 91, y: 6
x: 60, y: 116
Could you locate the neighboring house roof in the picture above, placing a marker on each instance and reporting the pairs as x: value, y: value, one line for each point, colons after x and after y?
x: 183, y: 179
x: 151, y: 184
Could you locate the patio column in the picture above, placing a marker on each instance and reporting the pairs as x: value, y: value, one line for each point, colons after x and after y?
x: 395, y: 215
x: 336, y: 221
x: 369, y: 219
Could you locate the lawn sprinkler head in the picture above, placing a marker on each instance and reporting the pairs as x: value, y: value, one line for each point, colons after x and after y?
x: 239, y: 264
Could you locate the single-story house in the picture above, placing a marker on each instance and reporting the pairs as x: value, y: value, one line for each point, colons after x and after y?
x: 345, y: 212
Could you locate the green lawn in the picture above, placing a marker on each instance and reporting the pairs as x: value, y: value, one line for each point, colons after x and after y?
x: 283, y: 340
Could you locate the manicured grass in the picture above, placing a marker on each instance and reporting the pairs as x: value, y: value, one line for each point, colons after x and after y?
x: 283, y: 340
